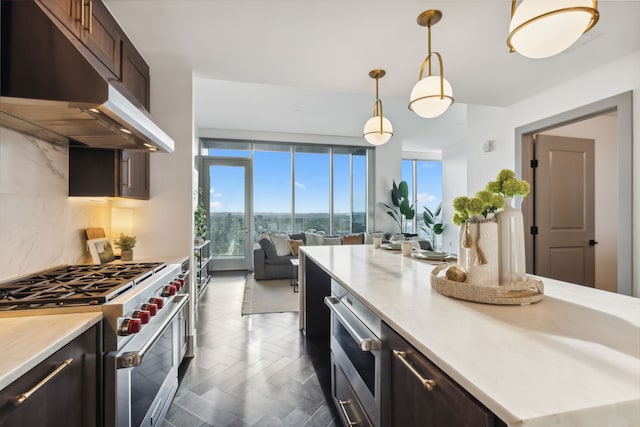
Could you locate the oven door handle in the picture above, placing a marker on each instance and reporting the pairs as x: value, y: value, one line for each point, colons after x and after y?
x: 134, y: 358
x: 366, y: 340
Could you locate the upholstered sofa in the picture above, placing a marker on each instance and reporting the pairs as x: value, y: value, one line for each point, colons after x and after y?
x: 274, y: 251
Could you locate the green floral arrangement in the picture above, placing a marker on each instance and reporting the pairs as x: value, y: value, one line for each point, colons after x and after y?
x: 125, y: 243
x: 491, y: 199
x: 507, y: 185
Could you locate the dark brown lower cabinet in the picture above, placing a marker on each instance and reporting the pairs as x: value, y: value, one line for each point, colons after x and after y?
x: 418, y: 393
x: 68, y: 394
x: 345, y: 399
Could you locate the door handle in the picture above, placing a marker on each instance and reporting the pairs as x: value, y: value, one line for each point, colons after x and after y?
x: 592, y: 242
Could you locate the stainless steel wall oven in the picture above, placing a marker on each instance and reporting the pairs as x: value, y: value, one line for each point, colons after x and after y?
x: 355, y: 358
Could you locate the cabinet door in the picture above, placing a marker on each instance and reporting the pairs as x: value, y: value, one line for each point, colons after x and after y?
x: 67, y: 12
x: 134, y: 181
x: 135, y: 74
x: 69, y: 393
x: 101, y: 34
x: 409, y: 403
x: 93, y: 172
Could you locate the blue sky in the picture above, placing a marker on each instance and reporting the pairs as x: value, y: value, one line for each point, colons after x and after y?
x: 272, y: 183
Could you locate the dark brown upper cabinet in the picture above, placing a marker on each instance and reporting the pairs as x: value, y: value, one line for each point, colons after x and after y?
x: 108, y: 173
x: 91, y: 23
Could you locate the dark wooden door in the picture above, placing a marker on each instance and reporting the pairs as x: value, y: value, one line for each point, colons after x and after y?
x: 135, y: 74
x: 134, y: 180
x: 406, y: 401
x: 565, y: 209
x: 102, y: 35
x: 68, y: 398
x: 67, y: 12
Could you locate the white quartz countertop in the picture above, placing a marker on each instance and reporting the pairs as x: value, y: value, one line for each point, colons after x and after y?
x: 572, y: 359
x: 26, y: 341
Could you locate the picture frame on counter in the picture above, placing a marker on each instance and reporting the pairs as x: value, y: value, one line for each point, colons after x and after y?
x: 101, y: 250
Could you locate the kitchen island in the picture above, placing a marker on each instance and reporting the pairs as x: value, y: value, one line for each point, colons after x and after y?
x: 572, y: 359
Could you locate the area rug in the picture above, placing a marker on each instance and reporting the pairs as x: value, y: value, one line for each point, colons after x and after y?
x: 269, y: 296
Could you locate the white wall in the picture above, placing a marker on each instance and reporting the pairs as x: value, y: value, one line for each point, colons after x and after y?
x: 166, y: 220
x: 454, y: 184
x: 596, y: 84
x: 40, y: 227
x: 602, y: 129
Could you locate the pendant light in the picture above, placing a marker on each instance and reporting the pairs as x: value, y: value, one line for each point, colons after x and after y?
x: 432, y: 95
x: 378, y: 128
x: 543, y: 28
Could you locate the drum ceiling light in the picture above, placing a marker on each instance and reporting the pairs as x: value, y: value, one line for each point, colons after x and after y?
x: 378, y: 128
x: 432, y: 95
x: 543, y: 28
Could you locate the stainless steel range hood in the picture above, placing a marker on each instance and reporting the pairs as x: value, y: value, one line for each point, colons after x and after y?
x: 52, y: 87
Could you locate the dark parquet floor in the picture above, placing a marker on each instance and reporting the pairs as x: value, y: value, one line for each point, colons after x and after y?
x: 255, y: 370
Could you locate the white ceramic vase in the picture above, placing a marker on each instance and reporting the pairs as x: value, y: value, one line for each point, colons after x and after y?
x: 511, y: 234
x: 482, y: 274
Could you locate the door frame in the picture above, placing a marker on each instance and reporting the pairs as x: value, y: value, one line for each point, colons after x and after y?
x: 205, y: 162
x: 622, y: 104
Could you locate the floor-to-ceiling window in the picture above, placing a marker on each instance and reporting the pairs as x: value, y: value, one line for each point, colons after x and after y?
x: 424, y: 178
x: 272, y: 190
x: 312, y: 183
x: 302, y: 187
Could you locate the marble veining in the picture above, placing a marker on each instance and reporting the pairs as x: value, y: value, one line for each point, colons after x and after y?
x: 40, y: 225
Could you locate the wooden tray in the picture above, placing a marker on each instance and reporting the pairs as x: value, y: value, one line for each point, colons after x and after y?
x: 517, y: 293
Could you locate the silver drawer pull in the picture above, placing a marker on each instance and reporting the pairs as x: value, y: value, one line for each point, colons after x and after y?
x: 402, y: 357
x: 343, y: 404
x: 19, y: 400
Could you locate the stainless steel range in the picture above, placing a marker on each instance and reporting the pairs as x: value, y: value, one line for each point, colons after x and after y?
x: 144, y: 307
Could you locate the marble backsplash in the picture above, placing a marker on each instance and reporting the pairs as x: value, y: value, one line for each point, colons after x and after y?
x: 40, y: 226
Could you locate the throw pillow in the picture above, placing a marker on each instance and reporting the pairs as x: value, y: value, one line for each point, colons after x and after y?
x: 295, y: 244
x: 313, y: 239
x: 331, y: 241
x: 281, y: 242
x: 297, y: 236
x: 368, y: 238
x: 268, y: 247
x: 353, y: 239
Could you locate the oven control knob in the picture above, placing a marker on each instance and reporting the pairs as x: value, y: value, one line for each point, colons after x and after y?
x: 181, y: 280
x: 177, y: 283
x: 169, y: 290
x: 130, y: 326
x: 157, y: 301
x: 151, y: 308
x: 143, y: 315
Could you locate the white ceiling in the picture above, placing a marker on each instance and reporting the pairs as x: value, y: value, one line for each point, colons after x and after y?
x: 331, y: 45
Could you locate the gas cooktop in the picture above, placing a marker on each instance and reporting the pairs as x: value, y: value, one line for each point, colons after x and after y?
x: 74, y: 285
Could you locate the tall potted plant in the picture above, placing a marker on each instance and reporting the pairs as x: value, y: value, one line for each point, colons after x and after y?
x: 433, y: 225
x: 200, y: 223
x: 401, y: 209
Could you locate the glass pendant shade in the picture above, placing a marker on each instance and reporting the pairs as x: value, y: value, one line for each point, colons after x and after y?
x: 372, y: 133
x: 543, y: 28
x: 426, y: 99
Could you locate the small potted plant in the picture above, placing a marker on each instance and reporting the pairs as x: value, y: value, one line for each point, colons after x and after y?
x: 125, y: 244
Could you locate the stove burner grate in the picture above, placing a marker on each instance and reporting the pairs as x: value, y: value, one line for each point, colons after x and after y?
x: 74, y: 285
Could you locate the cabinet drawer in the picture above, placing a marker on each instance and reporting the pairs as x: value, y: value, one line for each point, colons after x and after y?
x: 345, y: 399
x: 447, y: 404
x: 68, y: 394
